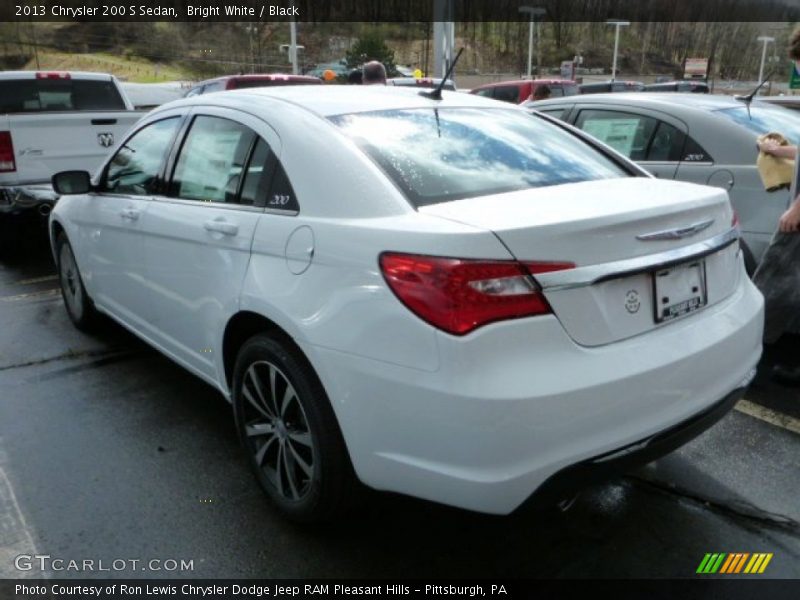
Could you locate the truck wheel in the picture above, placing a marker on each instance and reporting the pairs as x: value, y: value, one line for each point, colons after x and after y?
x: 289, y: 431
x: 80, y: 307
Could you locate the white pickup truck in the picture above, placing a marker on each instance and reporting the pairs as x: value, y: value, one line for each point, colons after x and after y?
x: 51, y: 122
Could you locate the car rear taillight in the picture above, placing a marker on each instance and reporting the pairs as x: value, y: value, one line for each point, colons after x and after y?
x: 7, y: 163
x: 735, y: 220
x: 460, y: 295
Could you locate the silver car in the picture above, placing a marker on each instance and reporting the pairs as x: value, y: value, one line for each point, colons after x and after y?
x: 692, y: 137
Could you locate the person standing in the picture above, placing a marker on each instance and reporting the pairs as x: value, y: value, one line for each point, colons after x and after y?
x: 778, y: 275
x: 373, y: 73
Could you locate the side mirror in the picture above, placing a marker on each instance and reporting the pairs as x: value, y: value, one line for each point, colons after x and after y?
x: 72, y: 182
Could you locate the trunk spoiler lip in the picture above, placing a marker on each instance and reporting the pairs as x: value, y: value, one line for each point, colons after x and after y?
x: 591, y: 274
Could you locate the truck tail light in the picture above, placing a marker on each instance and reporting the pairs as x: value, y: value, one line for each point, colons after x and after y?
x: 7, y: 163
x: 460, y: 295
x: 53, y: 75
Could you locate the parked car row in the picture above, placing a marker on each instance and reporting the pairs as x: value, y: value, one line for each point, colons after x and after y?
x: 525, y: 89
x: 447, y: 297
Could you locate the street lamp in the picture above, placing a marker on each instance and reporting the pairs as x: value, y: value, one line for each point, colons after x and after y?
x: 766, y: 39
x: 534, y: 11
x: 618, y: 24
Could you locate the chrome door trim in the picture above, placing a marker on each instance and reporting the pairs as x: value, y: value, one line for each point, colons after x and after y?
x: 586, y: 276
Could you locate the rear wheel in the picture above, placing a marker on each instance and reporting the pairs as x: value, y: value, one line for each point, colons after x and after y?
x: 80, y: 307
x: 289, y: 432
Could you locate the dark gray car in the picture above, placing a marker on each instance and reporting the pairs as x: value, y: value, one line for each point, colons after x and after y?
x: 691, y: 137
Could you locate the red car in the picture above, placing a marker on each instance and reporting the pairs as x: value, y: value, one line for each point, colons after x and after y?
x: 236, y: 82
x: 522, y: 90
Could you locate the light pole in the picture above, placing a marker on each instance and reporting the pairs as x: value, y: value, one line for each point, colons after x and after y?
x: 533, y: 11
x: 766, y: 39
x: 618, y: 24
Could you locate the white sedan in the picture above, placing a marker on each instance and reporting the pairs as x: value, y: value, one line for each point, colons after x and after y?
x: 447, y: 298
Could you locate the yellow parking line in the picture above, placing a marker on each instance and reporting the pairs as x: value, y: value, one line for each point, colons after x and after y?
x: 32, y: 295
x: 767, y: 415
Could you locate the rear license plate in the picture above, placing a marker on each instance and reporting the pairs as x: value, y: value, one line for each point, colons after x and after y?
x: 679, y: 290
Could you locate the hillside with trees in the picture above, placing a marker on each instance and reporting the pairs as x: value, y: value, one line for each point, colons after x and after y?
x: 158, y: 51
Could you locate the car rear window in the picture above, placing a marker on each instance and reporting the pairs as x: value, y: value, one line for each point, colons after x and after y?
x: 44, y: 95
x: 239, y: 84
x: 766, y: 119
x: 438, y: 155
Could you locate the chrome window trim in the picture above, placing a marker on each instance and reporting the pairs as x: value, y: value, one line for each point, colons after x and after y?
x: 227, y: 205
x: 586, y: 276
x: 230, y: 206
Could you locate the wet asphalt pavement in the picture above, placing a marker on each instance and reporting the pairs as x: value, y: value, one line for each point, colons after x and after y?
x: 110, y: 451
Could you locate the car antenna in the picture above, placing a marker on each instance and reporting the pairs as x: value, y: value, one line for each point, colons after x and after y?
x: 748, y: 99
x: 437, y: 93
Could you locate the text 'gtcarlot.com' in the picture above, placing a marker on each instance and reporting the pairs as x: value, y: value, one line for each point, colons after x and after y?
x: 45, y: 562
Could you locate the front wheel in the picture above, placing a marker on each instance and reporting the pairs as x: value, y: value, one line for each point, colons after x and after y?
x: 80, y: 307
x: 289, y: 432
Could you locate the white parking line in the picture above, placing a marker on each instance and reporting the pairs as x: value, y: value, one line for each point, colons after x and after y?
x: 15, y: 538
x: 32, y: 295
x: 768, y: 416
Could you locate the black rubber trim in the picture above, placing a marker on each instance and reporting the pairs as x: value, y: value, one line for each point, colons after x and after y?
x: 572, y: 479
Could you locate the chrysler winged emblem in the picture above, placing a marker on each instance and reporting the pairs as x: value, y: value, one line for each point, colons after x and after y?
x: 106, y: 139
x: 677, y: 233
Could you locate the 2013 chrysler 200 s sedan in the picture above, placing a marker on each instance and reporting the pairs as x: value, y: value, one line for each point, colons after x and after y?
x: 448, y: 298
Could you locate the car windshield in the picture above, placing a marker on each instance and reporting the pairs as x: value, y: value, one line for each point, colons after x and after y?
x: 437, y: 155
x: 765, y: 119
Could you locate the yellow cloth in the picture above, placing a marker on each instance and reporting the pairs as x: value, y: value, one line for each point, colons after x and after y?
x: 776, y: 173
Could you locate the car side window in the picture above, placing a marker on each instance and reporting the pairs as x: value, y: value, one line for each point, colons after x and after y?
x: 212, y: 160
x: 694, y: 152
x: 667, y: 144
x: 628, y: 133
x: 214, y: 86
x: 266, y: 183
x: 558, y: 113
x: 135, y: 167
x: 506, y: 93
x: 486, y: 93
x: 281, y: 194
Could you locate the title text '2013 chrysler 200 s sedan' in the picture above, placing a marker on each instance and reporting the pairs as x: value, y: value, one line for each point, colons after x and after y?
x: 443, y: 297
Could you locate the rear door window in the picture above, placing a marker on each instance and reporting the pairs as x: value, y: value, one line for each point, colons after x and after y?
x: 628, y: 133
x: 212, y: 160
x: 486, y: 93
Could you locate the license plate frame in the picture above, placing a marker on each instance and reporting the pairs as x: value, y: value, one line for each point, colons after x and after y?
x: 679, y: 290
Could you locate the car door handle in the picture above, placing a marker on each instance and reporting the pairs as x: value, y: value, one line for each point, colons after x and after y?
x: 222, y: 227
x: 129, y: 213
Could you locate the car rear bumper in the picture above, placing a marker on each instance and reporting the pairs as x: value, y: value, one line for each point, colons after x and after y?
x: 35, y: 200
x: 518, y: 404
x: 576, y: 477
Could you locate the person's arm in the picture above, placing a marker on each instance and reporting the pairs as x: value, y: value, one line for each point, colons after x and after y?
x: 773, y: 148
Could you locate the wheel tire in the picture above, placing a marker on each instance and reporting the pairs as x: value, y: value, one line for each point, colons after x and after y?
x: 292, y: 439
x: 79, y: 305
x: 750, y: 263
